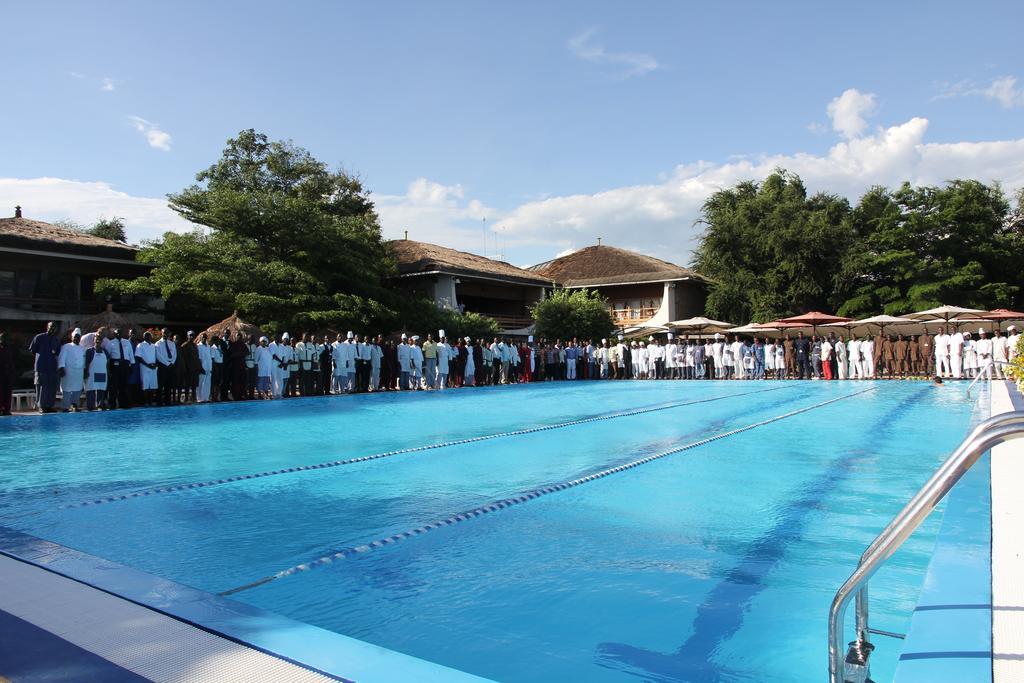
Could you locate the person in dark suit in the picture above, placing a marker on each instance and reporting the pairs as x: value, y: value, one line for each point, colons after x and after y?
x: 802, y: 355
x: 7, y: 375
x: 46, y: 347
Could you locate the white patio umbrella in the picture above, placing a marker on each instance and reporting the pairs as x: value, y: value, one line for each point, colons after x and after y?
x: 883, y: 321
x: 945, y: 313
x: 699, y: 325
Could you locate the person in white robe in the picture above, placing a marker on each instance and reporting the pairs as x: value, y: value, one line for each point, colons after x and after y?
x: 205, y: 368
x: 469, y: 374
x: 652, y: 358
x: 264, y: 369
x: 416, y: 360
x: 853, y: 351
x: 279, y: 369
x: 769, y: 359
x: 780, y: 360
x: 867, y: 357
x: 97, y: 366
x: 376, y: 358
x: 840, y: 349
x: 71, y: 368
x: 999, y: 353
x: 942, y: 365
x: 956, y: 355
x: 671, y: 351
x: 970, y: 363
x: 1012, y: 339
x: 145, y: 353
x: 983, y: 352
x: 444, y: 356
x: 640, y: 361
x: 338, y: 360
x: 717, y: 352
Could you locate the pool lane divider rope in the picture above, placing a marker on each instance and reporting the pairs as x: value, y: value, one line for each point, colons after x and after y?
x: 494, y: 506
x: 402, y: 451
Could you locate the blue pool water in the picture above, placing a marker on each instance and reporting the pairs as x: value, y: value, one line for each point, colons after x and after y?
x: 713, y: 563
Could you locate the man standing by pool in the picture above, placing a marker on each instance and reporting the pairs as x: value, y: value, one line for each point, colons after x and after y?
x: 146, y: 362
x: 802, y: 356
x: 46, y: 347
x: 941, y: 353
x: 166, y: 357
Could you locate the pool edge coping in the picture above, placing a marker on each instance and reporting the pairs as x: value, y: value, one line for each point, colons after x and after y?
x: 304, y: 645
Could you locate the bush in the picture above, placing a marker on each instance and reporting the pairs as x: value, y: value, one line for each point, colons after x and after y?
x: 565, y: 314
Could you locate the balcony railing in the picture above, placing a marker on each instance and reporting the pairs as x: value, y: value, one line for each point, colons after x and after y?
x: 632, y: 316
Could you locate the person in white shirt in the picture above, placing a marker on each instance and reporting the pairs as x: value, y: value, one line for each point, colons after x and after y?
x: 736, y: 349
x: 96, y: 377
x: 122, y: 357
x: 769, y: 359
x: 338, y: 361
x: 780, y: 360
x: 983, y: 351
x: 205, y: 369
x: 652, y: 358
x: 639, y: 360
x: 853, y: 351
x: 279, y: 368
x: 376, y: 358
x: 999, y: 355
x: 166, y: 358
x: 956, y: 354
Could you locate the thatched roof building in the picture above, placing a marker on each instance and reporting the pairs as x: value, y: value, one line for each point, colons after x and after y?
x: 641, y: 290
x: 24, y: 233
x: 422, y: 258
x: 108, y: 319
x: 604, y: 265
x: 468, y: 282
x: 234, y: 323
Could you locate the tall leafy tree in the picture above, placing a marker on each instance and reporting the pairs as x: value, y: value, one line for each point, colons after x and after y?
x: 919, y: 247
x: 772, y: 249
x: 109, y: 228
x: 284, y: 240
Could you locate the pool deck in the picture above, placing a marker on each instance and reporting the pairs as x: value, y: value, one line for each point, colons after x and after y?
x: 1007, y: 547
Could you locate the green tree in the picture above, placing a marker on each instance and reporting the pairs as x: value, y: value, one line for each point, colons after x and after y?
x: 919, y: 247
x: 284, y: 240
x: 772, y: 250
x: 566, y: 313
x: 110, y: 229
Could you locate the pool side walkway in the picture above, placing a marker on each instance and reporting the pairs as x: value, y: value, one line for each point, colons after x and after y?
x: 1007, y: 547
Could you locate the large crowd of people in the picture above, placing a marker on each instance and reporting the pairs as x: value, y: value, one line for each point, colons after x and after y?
x: 113, y: 368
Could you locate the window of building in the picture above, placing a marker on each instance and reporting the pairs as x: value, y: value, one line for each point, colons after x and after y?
x: 6, y: 283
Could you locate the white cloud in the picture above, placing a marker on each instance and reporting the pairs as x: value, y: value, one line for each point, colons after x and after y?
x: 1004, y: 90
x: 156, y: 138
x: 626, y: 64
x: 433, y: 212
x: 107, y: 84
x: 51, y: 199
x: 660, y: 219
x: 849, y: 112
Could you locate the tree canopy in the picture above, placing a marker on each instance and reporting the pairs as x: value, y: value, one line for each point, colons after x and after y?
x: 565, y: 314
x: 109, y: 228
x: 288, y: 243
x: 775, y: 251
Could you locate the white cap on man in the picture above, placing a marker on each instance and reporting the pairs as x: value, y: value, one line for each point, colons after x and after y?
x: 529, y: 339
x: 440, y: 334
x: 285, y: 336
x: 671, y: 336
x: 404, y: 336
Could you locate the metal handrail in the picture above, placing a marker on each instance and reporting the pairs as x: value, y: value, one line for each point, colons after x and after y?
x: 988, y: 366
x: 989, y: 433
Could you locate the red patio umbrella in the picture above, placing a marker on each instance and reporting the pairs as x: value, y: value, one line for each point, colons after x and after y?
x: 1001, y: 315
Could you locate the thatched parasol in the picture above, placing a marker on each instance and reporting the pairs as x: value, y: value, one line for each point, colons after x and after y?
x: 105, y: 319
x: 234, y: 323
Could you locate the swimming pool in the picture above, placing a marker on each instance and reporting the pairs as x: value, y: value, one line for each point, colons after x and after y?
x: 507, y: 532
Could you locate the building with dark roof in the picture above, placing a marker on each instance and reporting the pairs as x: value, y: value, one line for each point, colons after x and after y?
x: 47, y: 272
x: 468, y: 282
x: 642, y: 290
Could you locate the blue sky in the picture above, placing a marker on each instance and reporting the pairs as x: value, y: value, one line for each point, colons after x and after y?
x: 557, y: 122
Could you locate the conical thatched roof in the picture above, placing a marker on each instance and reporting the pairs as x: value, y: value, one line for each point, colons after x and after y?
x: 234, y: 323
x: 108, y: 319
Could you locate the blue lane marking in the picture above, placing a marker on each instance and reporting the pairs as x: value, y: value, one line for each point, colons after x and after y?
x: 721, y: 614
x: 29, y: 654
x: 402, y: 451
x: 345, y: 553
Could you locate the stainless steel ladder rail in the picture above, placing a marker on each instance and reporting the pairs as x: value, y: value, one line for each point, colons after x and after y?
x: 989, y: 433
x: 989, y: 366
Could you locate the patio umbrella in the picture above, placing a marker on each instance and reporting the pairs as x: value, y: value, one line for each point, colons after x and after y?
x: 699, y: 325
x: 754, y: 328
x: 943, y: 313
x: 882, y: 321
x: 1001, y: 315
x: 813, y: 319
